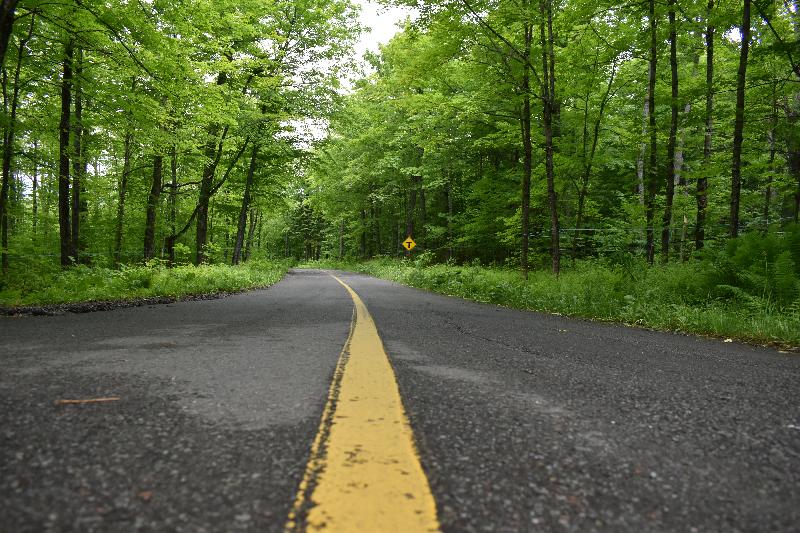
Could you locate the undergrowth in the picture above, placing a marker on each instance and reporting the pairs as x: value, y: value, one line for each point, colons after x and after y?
x: 44, y: 284
x: 749, y: 290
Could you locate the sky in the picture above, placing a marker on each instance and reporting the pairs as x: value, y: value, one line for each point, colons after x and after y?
x: 382, y: 22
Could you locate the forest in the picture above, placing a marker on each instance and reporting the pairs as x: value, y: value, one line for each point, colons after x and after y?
x: 139, y: 130
x: 528, y: 133
x: 548, y: 136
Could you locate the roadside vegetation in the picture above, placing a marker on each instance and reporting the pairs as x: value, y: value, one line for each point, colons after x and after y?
x: 49, y: 284
x: 140, y: 137
x: 748, y: 290
x: 615, y: 177
x: 603, y: 142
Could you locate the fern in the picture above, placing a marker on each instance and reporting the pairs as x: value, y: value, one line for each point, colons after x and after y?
x: 732, y: 292
x: 785, y: 282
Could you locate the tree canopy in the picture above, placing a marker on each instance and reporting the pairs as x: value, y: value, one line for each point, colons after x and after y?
x: 133, y: 129
x: 436, y: 139
x: 514, y: 132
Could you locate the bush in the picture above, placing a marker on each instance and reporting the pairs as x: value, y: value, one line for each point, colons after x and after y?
x: 82, y: 283
x: 756, y: 269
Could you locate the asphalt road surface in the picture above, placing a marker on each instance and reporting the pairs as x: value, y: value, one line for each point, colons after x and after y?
x: 522, y: 421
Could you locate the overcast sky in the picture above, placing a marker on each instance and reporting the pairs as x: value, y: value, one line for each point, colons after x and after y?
x: 383, y: 23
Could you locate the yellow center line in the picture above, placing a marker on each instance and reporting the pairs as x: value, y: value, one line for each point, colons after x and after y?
x: 364, y: 473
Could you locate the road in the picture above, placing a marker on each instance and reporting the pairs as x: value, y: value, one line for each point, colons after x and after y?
x: 231, y: 414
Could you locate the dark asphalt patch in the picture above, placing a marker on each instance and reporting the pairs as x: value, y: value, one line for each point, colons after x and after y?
x: 140, y: 463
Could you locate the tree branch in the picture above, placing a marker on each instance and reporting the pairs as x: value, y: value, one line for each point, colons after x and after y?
x: 795, y: 66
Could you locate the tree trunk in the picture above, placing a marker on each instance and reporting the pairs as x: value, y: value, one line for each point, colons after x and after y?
x: 376, y: 221
x: 771, y: 163
x: 9, y: 139
x: 44, y: 204
x: 63, y: 156
x: 679, y: 179
x: 527, y: 146
x: 423, y: 216
x: 652, y: 181
x: 212, y: 152
x: 78, y: 163
x: 152, y: 207
x: 410, y: 207
x: 35, y: 191
x: 640, y: 188
x: 211, y: 228
x: 398, y: 232
x: 738, y: 127
x: 213, y: 147
x: 207, y: 190
x: 245, y: 208
x: 555, y: 104
x: 7, y: 8
x: 122, y: 193
x: 547, y: 103
x: 371, y: 226
x: 770, y: 177
x: 584, y: 178
x: 793, y: 150
x: 793, y: 117
x: 341, y: 239
x: 255, y: 220
x: 449, y: 192
x: 169, y: 242
x: 702, y: 182
x: 589, y: 161
x: 8, y: 154
x: 673, y: 133
x: 363, y: 246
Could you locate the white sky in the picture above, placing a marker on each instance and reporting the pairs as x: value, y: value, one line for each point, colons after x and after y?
x: 382, y: 22
x: 380, y: 25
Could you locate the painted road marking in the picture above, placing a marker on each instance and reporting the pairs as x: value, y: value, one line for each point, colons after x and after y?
x: 364, y: 473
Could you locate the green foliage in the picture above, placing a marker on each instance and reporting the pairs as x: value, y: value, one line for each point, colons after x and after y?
x: 442, y: 113
x: 83, y: 283
x: 190, y: 84
x: 430, y: 139
x: 755, y: 269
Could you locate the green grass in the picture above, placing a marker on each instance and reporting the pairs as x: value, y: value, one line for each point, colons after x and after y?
x: 49, y: 285
x: 676, y: 297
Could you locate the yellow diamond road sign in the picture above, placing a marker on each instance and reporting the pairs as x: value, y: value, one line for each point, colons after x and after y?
x: 409, y: 243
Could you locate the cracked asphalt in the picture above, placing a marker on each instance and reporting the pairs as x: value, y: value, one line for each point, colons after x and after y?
x: 523, y: 421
